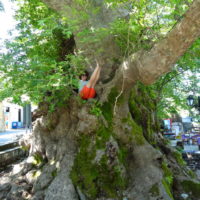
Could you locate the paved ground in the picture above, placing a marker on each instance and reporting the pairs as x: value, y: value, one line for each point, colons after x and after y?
x: 14, y: 134
x: 11, y: 135
x: 191, y: 147
x: 187, y: 147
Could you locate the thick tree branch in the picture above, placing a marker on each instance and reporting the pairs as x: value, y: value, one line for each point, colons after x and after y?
x: 160, y: 59
x: 143, y: 66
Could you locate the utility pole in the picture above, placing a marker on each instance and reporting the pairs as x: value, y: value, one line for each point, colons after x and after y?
x: 27, y: 118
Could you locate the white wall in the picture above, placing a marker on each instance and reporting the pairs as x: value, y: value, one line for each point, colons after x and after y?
x: 12, y: 115
x: 177, y: 128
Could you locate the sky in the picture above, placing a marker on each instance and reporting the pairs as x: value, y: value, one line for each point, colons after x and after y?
x: 7, y: 21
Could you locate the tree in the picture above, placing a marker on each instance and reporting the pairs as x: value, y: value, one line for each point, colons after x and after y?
x: 110, y: 148
x: 173, y: 88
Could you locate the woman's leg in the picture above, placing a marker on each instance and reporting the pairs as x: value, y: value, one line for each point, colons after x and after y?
x: 94, y: 77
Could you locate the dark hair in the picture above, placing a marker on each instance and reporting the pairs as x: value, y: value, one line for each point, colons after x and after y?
x: 85, y: 73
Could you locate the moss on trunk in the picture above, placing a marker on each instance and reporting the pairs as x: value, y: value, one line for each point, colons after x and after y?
x: 192, y: 187
x: 96, y: 172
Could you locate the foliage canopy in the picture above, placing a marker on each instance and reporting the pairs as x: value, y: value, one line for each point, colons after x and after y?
x: 41, y: 61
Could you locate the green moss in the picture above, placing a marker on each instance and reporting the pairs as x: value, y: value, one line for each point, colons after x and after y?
x: 191, y: 187
x: 38, y: 159
x: 107, y: 107
x: 96, y: 178
x: 124, y: 120
x: 123, y: 154
x: 25, y: 148
x: 110, y: 178
x: 100, y: 178
x: 107, y: 111
x: 95, y: 108
x: 102, y: 136
x: 146, y: 96
x: 167, y: 188
x: 84, y: 173
x: 135, y: 110
x: 36, y: 174
x: 54, y: 173
x: 154, y: 191
x: 179, y: 159
x: 137, y: 132
x: 142, y: 104
x: 168, y: 179
x: 168, y: 176
x: 191, y: 174
x: 150, y: 131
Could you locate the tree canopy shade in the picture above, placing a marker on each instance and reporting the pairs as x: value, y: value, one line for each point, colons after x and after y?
x: 122, y: 34
x: 108, y: 148
x: 174, y: 87
x: 35, y: 63
x: 150, y: 65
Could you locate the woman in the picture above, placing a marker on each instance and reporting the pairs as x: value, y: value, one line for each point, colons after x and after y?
x: 86, y: 88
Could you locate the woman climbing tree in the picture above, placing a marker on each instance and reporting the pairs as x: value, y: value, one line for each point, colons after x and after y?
x: 86, y: 88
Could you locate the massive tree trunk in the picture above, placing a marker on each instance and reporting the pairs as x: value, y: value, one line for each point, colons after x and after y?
x: 112, y: 149
x: 81, y: 153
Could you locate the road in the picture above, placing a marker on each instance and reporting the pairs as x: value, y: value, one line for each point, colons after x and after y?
x: 187, y: 147
x: 11, y: 135
x: 14, y: 134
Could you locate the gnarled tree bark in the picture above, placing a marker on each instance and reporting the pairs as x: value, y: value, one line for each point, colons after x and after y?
x: 120, y: 122
x: 110, y: 151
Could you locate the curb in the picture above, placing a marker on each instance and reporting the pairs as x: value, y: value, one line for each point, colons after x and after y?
x: 10, y: 153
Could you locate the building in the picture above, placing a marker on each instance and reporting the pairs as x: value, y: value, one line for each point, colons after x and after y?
x: 12, y: 113
x: 14, y: 116
x: 177, y: 128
